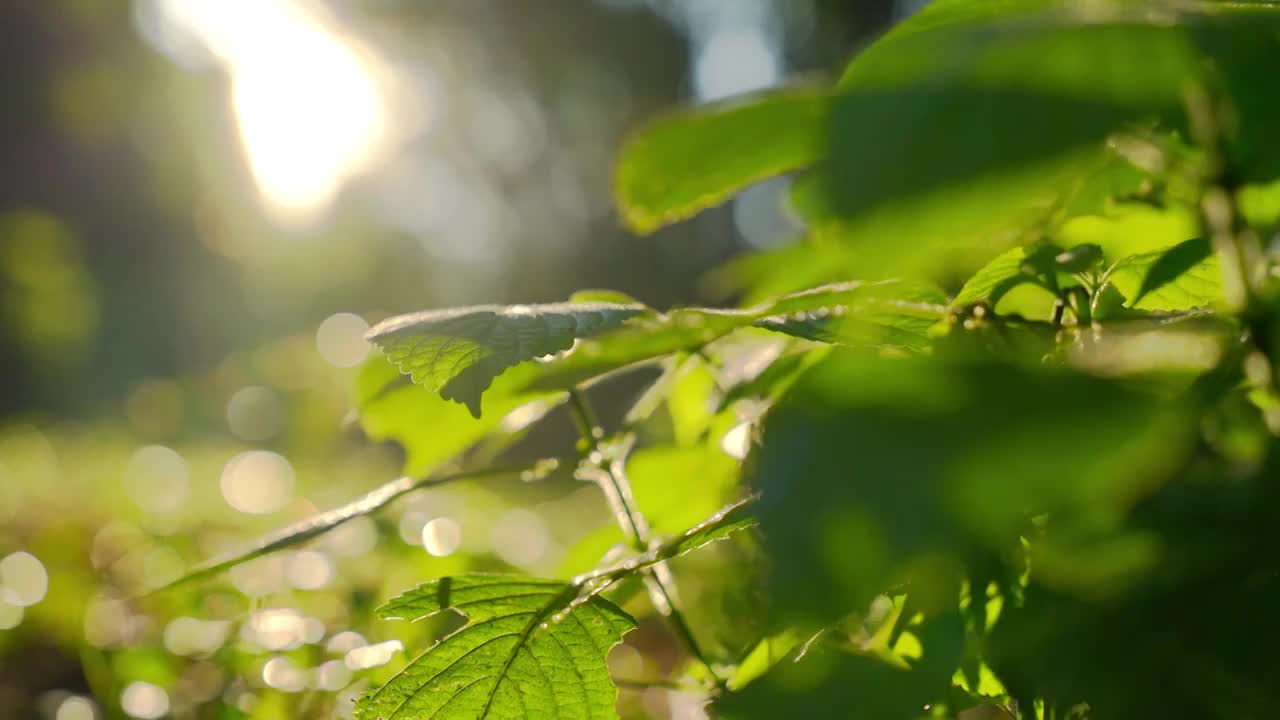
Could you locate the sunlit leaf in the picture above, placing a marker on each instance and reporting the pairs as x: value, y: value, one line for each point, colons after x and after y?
x: 687, y: 162
x: 432, y: 430
x: 1182, y: 277
x: 1132, y: 228
x: 889, y: 314
x: 612, y: 337
x: 598, y: 295
x: 768, y: 652
x: 1043, y: 266
x: 817, y: 682
x: 459, y: 352
x: 962, y: 137
x: 1008, y: 270
x: 524, y: 653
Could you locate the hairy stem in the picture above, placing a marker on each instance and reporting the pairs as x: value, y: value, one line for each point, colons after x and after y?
x: 616, y: 487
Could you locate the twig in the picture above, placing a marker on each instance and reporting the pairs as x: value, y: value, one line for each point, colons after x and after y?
x: 324, y: 522
x: 616, y: 487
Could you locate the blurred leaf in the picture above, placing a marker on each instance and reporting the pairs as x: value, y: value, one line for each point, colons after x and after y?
x: 826, y: 683
x: 1182, y: 277
x: 767, y: 653
x: 459, y: 352
x: 774, y: 380
x: 1260, y: 205
x: 1241, y: 41
x: 689, y: 401
x: 870, y: 468
x: 1131, y: 229
x: 690, y: 161
x: 1008, y: 270
x: 965, y: 136
x: 1166, y: 651
x: 1182, y: 643
x: 524, y: 653
x: 1117, y: 177
x: 1168, y: 351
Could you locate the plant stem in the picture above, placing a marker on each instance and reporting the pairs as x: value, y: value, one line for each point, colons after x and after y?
x: 616, y: 487
x: 324, y: 522
x: 646, y: 684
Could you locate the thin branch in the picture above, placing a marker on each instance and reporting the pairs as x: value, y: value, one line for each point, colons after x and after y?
x: 631, y: 684
x: 324, y: 522
x: 615, y: 485
x: 729, y: 519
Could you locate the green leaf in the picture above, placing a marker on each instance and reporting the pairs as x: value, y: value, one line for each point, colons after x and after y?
x: 1131, y: 228
x: 597, y: 295
x: 1028, y: 282
x: 459, y: 352
x: 610, y: 337
x: 1117, y: 177
x: 1260, y: 205
x: 1182, y: 277
x: 525, y: 652
x: 1007, y: 271
x: 968, y: 136
x: 532, y: 648
x: 433, y: 430
x: 824, y: 682
x: 872, y: 314
x: 776, y: 379
x: 890, y: 314
x: 690, y: 161
x: 1215, y: 581
x: 869, y: 468
x: 767, y: 653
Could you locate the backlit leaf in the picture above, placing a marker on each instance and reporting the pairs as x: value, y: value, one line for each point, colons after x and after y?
x: 816, y: 682
x: 524, y: 653
x: 1182, y: 277
x: 962, y: 138
x: 433, y: 430
x: 690, y: 161
x: 459, y: 352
